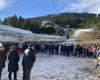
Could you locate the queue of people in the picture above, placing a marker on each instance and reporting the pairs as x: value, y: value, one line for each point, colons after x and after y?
x: 12, y: 51
x: 79, y: 50
x: 13, y: 58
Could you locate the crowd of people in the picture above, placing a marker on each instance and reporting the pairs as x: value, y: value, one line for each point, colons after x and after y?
x: 76, y: 50
x: 79, y: 50
x: 12, y: 51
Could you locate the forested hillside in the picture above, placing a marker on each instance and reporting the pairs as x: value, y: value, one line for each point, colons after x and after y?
x: 73, y: 20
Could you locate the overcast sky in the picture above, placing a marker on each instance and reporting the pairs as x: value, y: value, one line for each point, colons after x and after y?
x: 33, y: 8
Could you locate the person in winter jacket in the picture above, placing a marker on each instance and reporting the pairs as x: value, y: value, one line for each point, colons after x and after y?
x: 94, y: 51
x: 97, y: 52
x: 28, y: 60
x: 13, y: 58
x: 98, y: 57
x: 3, y: 57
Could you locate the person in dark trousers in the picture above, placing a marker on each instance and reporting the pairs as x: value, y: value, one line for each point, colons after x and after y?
x: 80, y: 51
x: 3, y: 57
x: 28, y: 60
x: 56, y: 48
x: 13, y: 58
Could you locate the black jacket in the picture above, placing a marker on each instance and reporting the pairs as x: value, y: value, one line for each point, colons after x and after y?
x: 28, y: 59
x: 3, y: 57
x: 13, y: 58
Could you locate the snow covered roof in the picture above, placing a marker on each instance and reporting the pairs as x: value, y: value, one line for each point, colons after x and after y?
x: 12, y: 29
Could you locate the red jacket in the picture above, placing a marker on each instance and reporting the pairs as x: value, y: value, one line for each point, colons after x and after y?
x: 94, y: 50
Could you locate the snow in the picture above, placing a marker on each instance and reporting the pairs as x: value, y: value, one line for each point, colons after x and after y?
x: 16, y: 30
x: 54, y: 67
x: 77, y: 32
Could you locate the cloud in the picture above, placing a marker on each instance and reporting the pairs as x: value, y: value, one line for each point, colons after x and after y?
x: 4, y: 4
x: 91, y: 6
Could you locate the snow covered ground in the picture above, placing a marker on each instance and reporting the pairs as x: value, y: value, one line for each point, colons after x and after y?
x: 77, y: 32
x: 54, y: 67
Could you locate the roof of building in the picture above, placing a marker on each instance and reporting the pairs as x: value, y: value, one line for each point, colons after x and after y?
x: 12, y: 29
